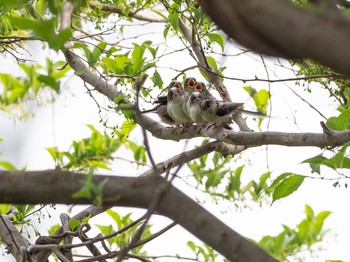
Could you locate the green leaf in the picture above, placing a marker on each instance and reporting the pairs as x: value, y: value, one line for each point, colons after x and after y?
x: 341, y: 122
x: 50, y: 81
x: 98, y: 164
x: 192, y: 245
x: 53, y: 229
x: 73, y: 224
x: 286, y: 186
x: 44, y: 29
x: 157, y: 79
x: 137, y: 58
x: 118, y: 99
x: 160, y: 14
x: 153, y: 51
x: 166, y: 31
x: 106, y: 230
x: 338, y: 161
x: 173, y: 17
x: 96, y: 52
x: 309, y: 212
x: 53, y: 151
x: 83, y: 193
x: 7, y: 166
x: 101, y: 186
x: 212, y: 62
x: 127, y: 126
x: 261, y: 98
x: 5, y: 208
x: 59, y: 40
x: 217, y: 38
x: 332, y: 123
x: 235, y: 180
x: 278, y: 179
x: 315, y: 163
x: 116, y: 217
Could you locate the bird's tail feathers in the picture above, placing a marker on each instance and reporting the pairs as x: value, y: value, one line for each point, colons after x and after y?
x: 227, y: 108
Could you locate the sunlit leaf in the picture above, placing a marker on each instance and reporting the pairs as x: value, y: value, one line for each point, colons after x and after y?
x: 286, y: 186
x: 73, y: 224
x: 7, y: 166
x: 50, y: 81
x: 315, y: 163
x: 217, y: 38
x: 341, y: 122
x: 5, y: 208
x: 157, y: 79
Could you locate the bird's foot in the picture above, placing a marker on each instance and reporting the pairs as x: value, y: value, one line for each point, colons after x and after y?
x: 209, y: 125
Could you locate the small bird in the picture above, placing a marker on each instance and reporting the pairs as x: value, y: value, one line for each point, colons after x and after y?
x: 161, y: 100
x: 201, y: 86
x: 162, y: 112
x: 216, y: 111
x: 194, y: 104
x: 175, y: 100
x: 189, y: 84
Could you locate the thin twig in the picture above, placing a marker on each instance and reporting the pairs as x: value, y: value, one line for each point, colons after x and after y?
x: 118, y: 10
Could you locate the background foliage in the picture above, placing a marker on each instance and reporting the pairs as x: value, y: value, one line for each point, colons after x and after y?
x: 129, y: 43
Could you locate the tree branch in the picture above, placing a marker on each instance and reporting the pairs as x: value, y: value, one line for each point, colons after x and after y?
x: 91, y: 211
x: 214, y: 77
x: 118, y: 10
x: 251, y: 139
x: 50, y: 186
x: 79, y: 67
x: 279, y: 29
x: 187, y: 156
x: 13, y: 239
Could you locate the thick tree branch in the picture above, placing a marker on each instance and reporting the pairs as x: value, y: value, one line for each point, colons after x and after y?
x: 277, y: 28
x: 43, y: 187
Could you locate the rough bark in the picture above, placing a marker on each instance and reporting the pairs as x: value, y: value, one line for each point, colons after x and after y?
x: 43, y: 187
x: 276, y: 28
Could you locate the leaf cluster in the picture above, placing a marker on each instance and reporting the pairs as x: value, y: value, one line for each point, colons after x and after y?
x: 291, y: 241
x: 125, y: 237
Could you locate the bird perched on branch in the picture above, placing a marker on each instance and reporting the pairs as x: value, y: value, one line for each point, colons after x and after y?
x: 189, y: 84
x: 216, y: 111
x: 194, y: 104
x: 162, y: 111
x: 175, y: 100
